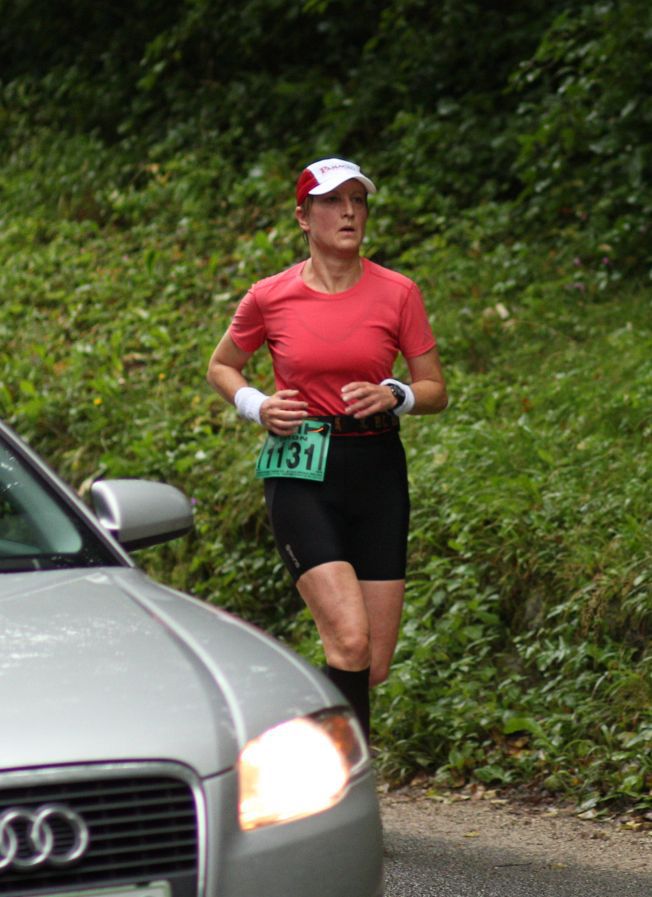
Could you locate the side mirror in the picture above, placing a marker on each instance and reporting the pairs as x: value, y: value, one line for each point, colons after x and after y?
x: 139, y: 513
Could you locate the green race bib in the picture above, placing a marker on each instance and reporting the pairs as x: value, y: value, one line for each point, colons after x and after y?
x: 302, y: 455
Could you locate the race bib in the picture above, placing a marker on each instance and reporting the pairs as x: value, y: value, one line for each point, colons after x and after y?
x: 302, y: 455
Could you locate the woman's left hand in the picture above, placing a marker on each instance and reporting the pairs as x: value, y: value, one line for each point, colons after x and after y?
x: 362, y: 399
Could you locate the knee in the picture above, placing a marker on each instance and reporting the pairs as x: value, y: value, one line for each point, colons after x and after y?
x: 378, y: 674
x: 353, y: 651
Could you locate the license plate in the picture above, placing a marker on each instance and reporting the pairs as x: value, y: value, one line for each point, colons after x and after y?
x: 156, y: 889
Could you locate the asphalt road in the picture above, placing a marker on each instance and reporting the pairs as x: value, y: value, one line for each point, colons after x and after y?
x: 430, y: 867
x: 476, y: 851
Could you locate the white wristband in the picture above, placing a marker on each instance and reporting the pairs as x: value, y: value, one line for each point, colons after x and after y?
x: 408, y: 402
x: 247, y: 401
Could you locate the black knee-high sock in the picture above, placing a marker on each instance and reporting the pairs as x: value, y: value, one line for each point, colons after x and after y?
x: 354, y: 685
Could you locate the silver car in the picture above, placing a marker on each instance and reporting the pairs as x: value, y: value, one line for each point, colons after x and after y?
x: 151, y: 745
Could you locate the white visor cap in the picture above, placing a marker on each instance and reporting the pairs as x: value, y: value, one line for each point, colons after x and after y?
x: 327, y: 174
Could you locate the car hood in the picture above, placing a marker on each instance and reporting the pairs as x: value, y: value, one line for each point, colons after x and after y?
x: 106, y: 665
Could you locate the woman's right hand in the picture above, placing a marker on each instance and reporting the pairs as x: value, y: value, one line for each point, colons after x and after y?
x: 283, y: 412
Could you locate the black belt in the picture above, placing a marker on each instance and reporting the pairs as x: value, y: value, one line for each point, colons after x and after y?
x: 383, y: 422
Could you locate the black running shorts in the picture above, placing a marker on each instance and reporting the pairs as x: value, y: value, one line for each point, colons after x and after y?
x: 359, y: 513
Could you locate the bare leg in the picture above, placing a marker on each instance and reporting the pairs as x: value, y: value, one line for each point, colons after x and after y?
x: 358, y: 624
x: 338, y: 605
x: 384, y: 602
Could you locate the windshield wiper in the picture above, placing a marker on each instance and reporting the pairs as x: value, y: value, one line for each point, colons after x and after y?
x: 27, y: 563
x: 20, y: 564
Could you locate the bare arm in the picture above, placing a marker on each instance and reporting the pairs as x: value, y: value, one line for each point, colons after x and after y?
x: 280, y: 413
x: 427, y: 383
x: 225, y: 368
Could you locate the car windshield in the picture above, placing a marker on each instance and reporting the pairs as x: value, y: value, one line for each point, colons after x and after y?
x: 38, y: 530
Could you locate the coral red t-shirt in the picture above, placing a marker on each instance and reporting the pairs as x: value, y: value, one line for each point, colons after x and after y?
x: 321, y: 341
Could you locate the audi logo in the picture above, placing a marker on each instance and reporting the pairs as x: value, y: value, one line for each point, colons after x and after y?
x: 51, y: 833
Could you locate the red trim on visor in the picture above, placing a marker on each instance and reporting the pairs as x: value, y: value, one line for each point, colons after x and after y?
x: 307, y: 182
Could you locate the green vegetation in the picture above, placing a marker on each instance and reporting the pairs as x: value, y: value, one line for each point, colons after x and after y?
x: 147, y: 179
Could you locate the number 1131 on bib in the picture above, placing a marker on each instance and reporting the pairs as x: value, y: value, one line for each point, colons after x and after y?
x: 302, y: 455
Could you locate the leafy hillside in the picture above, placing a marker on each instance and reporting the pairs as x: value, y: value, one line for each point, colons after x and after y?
x: 140, y: 195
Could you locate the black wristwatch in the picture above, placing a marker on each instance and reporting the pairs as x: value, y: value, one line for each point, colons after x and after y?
x: 399, y: 394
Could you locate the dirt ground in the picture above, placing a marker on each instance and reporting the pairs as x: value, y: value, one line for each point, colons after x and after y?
x: 534, y: 828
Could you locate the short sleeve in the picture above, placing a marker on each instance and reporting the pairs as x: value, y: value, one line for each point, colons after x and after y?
x: 415, y: 335
x: 247, y: 329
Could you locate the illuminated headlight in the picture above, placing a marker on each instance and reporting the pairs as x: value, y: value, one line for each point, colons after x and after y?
x: 298, y: 768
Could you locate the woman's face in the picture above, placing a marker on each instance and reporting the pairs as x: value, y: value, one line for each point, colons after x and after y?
x: 335, y: 222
